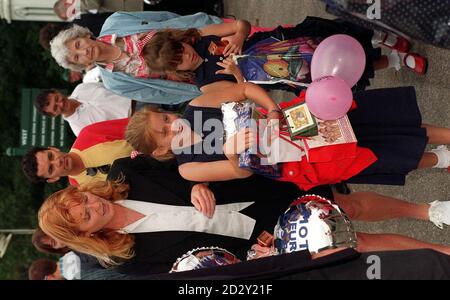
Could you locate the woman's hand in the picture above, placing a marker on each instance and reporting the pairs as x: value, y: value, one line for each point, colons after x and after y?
x: 239, y: 142
x: 258, y: 251
x: 203, y: 199
x: 235, y: 44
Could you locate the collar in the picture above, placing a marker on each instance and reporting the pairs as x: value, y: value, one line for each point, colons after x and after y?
x: 161, y: 208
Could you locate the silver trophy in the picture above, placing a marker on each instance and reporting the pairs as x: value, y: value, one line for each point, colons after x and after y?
x: 313, y: 223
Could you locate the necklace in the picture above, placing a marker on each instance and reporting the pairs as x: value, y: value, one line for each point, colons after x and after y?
x: 118, y: 56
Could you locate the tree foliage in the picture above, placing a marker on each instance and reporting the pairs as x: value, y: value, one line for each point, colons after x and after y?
x: 23, y: 64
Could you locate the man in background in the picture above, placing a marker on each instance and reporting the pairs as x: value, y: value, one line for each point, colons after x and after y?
x: 68, y: 10
x: 89, y: 103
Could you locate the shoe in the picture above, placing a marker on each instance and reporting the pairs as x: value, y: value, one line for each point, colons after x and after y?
x: 152, y: 2
x: 401, y: 44
x: 420, y: 63
x: 439, y: 213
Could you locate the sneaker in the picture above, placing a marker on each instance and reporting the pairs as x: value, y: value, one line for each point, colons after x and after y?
x: 439, y: 213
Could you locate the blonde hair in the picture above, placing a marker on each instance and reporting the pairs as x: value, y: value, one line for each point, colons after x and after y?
x: 138, y: 134
x: 56, y: 221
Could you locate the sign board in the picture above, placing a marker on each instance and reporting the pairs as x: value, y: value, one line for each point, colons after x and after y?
x: 38, y: 130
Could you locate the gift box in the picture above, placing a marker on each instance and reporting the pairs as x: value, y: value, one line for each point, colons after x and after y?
x: 238, y: 115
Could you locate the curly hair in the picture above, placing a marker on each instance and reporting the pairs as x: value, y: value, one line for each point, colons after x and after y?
x: 41, y: 101
x: 106, y: 245
x: 30, y: 165
x: 59, y: 49
x: 164, y: 52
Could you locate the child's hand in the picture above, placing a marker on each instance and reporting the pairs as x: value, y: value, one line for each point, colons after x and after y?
x: 229, y: 67
x: 235, y: 43
x: 275, y: 115
x: 239, y: 142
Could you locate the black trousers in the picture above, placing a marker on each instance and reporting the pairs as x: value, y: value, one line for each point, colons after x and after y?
x: 187, y: 7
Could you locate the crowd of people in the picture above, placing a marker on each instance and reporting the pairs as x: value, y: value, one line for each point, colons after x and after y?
x: 152, y: 176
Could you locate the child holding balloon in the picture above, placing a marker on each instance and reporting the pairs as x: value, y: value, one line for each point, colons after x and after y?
x: 389, y: 145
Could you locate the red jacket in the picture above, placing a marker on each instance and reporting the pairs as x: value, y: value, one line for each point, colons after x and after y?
x: 326, y: 165
x: 101, y: 132
x: 101, y: 143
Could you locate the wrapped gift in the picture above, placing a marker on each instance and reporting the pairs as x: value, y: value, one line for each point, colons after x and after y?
x: 238, y: 115
x: 272, y: 61
x: 283, y: 148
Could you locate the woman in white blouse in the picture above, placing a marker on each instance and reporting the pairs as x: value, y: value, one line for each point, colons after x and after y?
x: 96, y: 220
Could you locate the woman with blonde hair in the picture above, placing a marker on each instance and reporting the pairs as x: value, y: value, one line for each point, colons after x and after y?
x: 166, y: 215
x: 62, y: 225
x: 149, y: 236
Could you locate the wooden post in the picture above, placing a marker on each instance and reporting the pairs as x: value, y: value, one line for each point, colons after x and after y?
x: 17, y: 231
x: 6, y: 236
x: 4, y: 242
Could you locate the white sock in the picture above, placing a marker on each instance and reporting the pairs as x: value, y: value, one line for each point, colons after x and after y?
x: 380, y: 36
x: 394, y: 60
x: 443, y: 156
x: 439, y: 213
x: 397, y: 60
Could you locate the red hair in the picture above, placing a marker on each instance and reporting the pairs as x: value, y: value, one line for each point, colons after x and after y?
x: 56, y: 221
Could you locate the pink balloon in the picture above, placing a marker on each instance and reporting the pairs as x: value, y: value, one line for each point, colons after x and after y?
x: 339, y: 55
x: 329, y: 98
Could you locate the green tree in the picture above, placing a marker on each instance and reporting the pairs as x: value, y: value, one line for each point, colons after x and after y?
x: 23, y: 64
